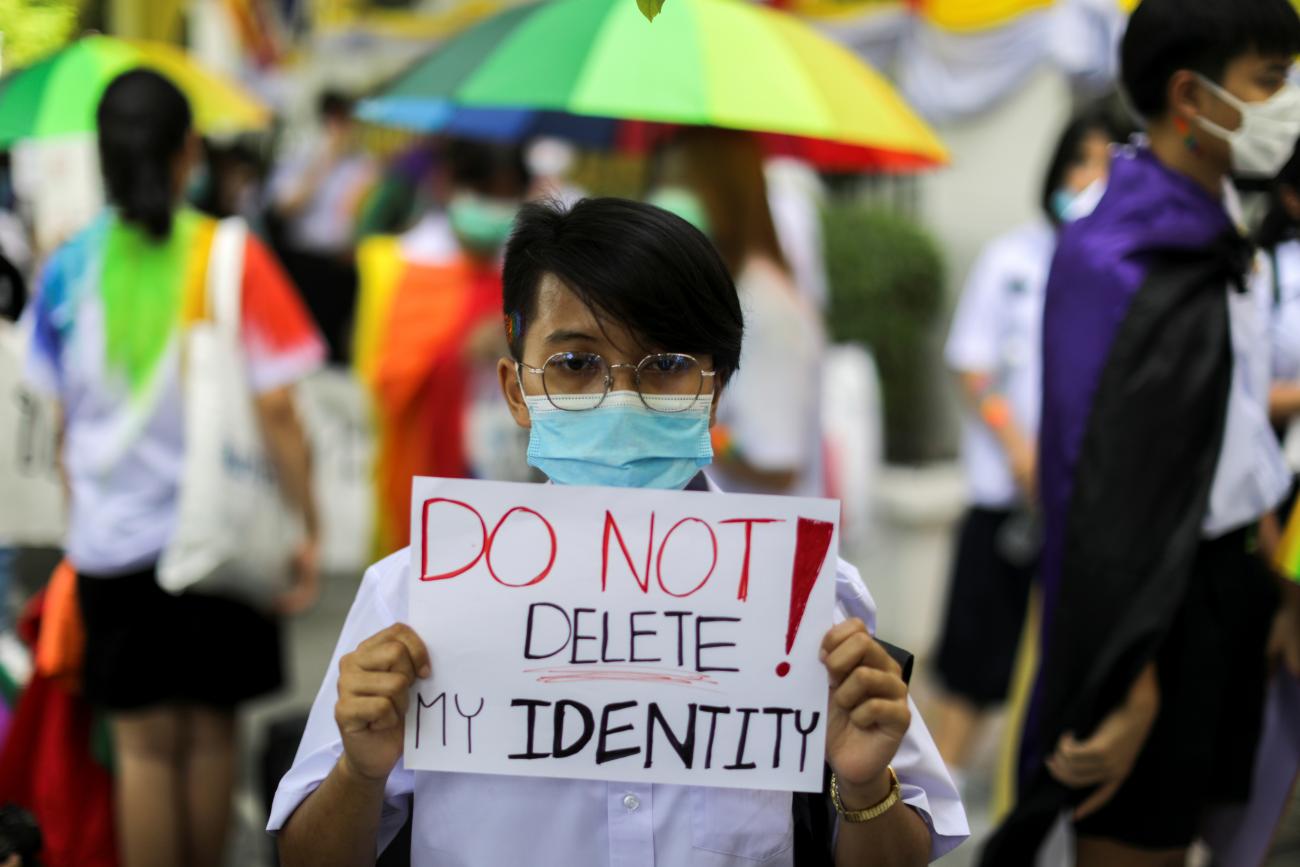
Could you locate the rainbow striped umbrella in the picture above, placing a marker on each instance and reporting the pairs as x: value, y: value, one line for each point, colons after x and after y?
x: 724, y: 63
x: 59, y: 94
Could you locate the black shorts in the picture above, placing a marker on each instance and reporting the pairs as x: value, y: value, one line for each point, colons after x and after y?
x: 146, y: 647
x: 1213, y: 674
x: 986, y: 610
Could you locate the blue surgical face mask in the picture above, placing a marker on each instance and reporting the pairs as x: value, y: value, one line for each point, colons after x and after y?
x: 1069, y: 206
x: 1062, y: 199
x: 621, y: 443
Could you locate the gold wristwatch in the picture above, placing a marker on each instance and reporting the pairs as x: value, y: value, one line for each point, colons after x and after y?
x: 895, y: 795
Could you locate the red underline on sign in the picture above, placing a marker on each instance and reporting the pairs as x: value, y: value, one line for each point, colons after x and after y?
x: 631, y: 675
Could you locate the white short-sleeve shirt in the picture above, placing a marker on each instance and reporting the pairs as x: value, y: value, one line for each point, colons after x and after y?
x: 1252, y: 476
x: 997, y: 330
x: 473, y: 820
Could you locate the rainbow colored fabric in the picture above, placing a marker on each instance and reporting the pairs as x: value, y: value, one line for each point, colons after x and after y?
x: 413, y: 320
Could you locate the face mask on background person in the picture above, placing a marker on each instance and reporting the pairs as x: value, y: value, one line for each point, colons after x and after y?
x: 1069, y: 206
x: 1267, y: 136
x: 481, y: 224
x: 621, y: 443
x: 683, y: 203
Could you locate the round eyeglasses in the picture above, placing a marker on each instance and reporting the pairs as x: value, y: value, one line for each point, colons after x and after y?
x: 577, y: 381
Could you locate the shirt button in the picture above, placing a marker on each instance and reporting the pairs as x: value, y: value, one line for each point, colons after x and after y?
x: 632, y: 802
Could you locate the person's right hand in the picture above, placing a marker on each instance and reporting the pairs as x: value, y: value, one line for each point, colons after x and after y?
x: 374, y: 684
x: 304, y: 592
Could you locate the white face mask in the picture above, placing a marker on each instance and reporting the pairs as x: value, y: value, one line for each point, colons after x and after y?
x: 1267, y: 136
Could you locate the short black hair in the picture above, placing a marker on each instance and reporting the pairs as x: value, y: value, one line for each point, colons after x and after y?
x: 477, y: 164
x: 1278, y: 224
x: 1096, y: 119
x: 334, y: 105
x: 1204, y: 36
x: 630, y: 262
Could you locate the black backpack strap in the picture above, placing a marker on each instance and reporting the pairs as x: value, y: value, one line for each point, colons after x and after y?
x: 814, y: 814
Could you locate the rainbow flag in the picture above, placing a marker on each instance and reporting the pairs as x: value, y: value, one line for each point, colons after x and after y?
x: 413, y: 319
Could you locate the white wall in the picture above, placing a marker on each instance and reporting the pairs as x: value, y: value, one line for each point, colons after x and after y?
x: 998, y: 160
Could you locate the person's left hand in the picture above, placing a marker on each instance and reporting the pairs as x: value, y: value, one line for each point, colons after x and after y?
x: 1107, y: 757
x: 867, y: 711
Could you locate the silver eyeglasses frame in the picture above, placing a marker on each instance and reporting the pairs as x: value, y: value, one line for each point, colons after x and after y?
x: 610, y: 367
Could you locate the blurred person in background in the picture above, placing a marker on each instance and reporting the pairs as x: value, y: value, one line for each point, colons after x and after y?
x: 551, y: 162
x: 15, y: 238
x: 1279, y: 239
x: 428, y: 333
x: 15, y: 259
x: 404, y: 192
x: 316, y: 196
x: 796, y: 195
x: 107, y: 321
x: 230, y: 183
x: 994, y: 350
x: 1156, y: 457
x: 768, y: 436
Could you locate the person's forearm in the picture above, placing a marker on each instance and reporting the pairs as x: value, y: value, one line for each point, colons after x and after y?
x: 338, y: 824
x: 993, y: 410
x: 899, y: 838
x: 728, y: 456
x: 290, y: 454
x: 1283, y: 401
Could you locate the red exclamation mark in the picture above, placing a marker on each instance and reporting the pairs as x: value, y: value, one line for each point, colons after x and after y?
x: 812, y: 541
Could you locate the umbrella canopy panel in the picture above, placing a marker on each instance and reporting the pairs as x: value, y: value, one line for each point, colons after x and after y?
x: 722, y: 63
x: 59, y: 95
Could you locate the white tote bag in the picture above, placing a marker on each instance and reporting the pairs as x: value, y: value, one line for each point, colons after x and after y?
x: 235, y: 534
x: 31, y: 508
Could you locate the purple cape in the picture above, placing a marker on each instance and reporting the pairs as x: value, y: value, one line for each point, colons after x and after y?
x: 1137, y: 366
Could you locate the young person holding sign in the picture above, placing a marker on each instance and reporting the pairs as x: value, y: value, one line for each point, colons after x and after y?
x: 624, y: 328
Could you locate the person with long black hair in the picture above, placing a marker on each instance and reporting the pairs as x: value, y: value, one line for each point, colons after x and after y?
x: 107, y: 318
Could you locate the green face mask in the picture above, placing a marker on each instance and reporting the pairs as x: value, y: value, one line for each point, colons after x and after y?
x: 684, y: 203
x: 481, y: 224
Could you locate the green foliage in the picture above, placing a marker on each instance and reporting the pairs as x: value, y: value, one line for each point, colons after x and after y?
x: 886, y: 276
x: 34, y: 28
x: 650, y: 8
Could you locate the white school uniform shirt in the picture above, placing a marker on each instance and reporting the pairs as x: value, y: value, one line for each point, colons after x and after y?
x: 1251, y: 476
x: 478, y: 820
x: 1286, y: 334
x: 772, y: 406
x: 1286, y: 311
x: 997, y: 330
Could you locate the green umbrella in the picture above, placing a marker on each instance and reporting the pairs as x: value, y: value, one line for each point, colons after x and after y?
x: 725, y: 63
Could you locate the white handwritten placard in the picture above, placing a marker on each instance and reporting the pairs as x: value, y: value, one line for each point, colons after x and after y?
x: 656, y: 636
